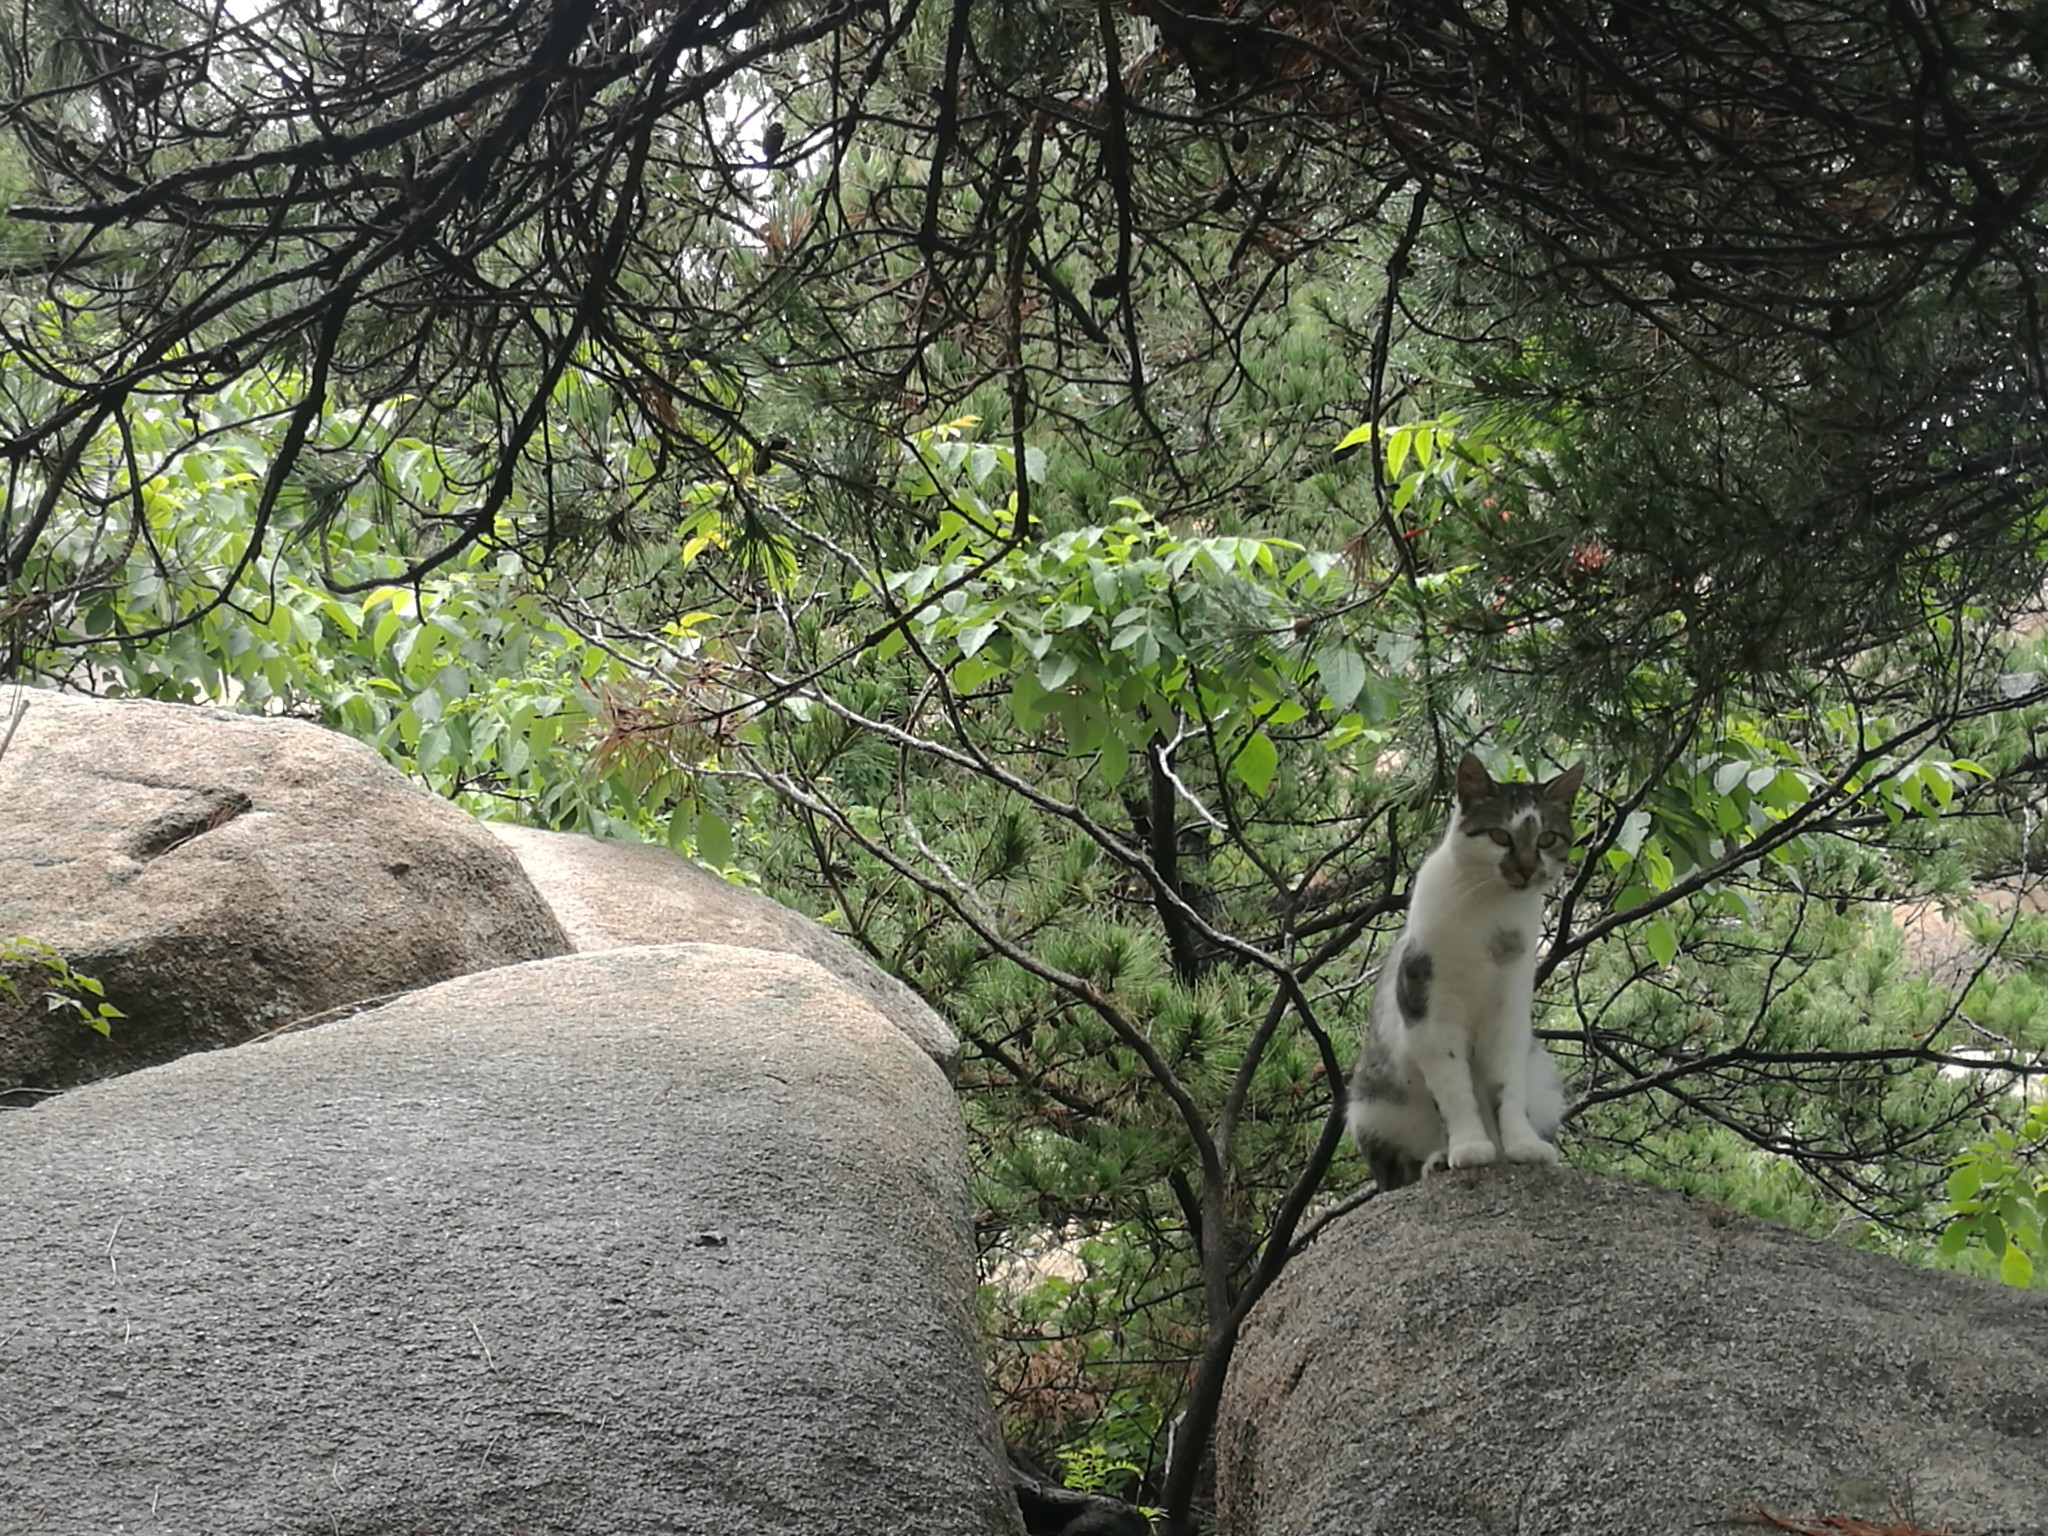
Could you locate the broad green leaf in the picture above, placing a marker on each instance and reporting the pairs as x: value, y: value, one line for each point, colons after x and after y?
x: 1027, y: 703
x: 1399, y: 441
x: 1256, y: 762
x: 1081, y: 721
x: 431, y: 752
x: 970, y: 674
x: 714, y: 840
x: 1113, y: 762
x: 1633, y: 830
x: 1661, y: 939
x: 2015, y: 1268
x: 1992, y: 1230
x: 1356, y: 437
x: 682, y: 822
x: 1341, y: 670
x: 1056, y: 669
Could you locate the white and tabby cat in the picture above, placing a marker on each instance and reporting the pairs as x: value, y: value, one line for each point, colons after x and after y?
x: 1450, y: 1072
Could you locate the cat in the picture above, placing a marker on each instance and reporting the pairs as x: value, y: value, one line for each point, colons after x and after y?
x: 1450, y: 1073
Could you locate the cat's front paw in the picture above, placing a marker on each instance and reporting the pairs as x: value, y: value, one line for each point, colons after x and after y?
x: 1529, y: 1148
x: 1473, y: 1154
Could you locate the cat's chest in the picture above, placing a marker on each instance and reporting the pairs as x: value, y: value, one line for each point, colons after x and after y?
x: 1474, y: 943
x: 1475, y: 935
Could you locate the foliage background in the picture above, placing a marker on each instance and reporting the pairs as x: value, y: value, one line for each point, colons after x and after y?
x: 1051, y: 488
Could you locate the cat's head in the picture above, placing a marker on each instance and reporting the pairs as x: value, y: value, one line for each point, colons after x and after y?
x: 1524, y: 830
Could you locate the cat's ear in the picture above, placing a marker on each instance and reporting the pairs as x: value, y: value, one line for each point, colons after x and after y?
x: 1474, y: 782
x: 1566, y: 785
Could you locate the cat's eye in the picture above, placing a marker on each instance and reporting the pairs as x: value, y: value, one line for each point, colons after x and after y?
x: 1548, y: 840
x: 1500, y: 835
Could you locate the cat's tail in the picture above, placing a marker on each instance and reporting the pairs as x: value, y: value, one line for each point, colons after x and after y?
x: 1546, y: 1096
x: 1391, y: 1168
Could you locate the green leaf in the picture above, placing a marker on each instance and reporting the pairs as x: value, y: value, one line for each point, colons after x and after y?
x: 1082, y: 721
x: 1113, y: 762
x: 431, y: 750
x: 1355, y: 439
x: 1341, y: 671
x: 1964, y: 1181
x: 681, y: 821
x: 1256, y: 762
x: 1027, y: 703
x: 2024, y: 1220
x: 1633, y: 831
x: 1399, y: 441
x: 2015, y: 1268
x: 1054, y: 671
x: 714, y: 839
x: 1992, y: 1230
x: 1955, y: 1237
x: 1661, y: 939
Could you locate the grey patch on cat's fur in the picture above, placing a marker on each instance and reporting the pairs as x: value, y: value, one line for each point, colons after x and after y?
x: 1374, y: 1077
x: 1506, y: 945
x: 1411, y: 988
x: 1391, y: 1168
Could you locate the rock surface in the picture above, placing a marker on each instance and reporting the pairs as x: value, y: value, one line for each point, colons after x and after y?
x: 1534, y: 1351
x: 670, y: 1240
x: 612, y: 894
x: 223, y: 874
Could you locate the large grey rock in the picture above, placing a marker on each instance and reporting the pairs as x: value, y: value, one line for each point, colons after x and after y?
x: 1536, y: 1351
x: 655, y: 1241
x: 611, y: 894
x: 223, y: 874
